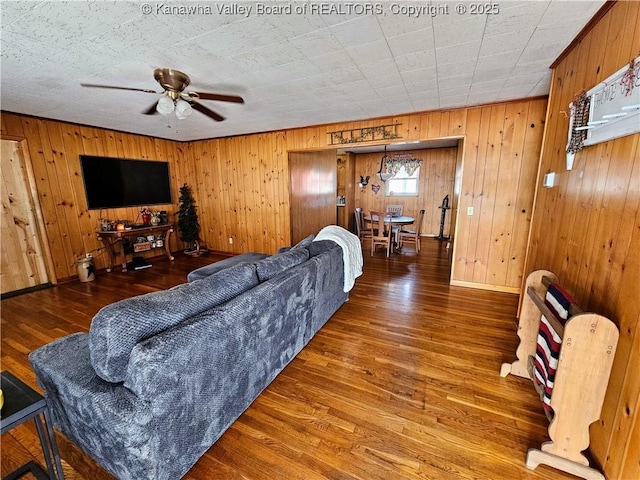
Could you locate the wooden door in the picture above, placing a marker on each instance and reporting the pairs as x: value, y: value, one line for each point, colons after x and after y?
x: 313, y: 183
x: 23, y: 261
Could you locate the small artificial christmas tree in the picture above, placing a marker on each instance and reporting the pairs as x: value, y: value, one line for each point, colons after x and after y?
x: 188, y: 222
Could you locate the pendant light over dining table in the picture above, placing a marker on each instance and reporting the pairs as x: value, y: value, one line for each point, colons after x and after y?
x: 391, y: 166
x: 384, y: 176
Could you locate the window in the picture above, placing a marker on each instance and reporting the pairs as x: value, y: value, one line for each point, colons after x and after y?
x: 402, y: 184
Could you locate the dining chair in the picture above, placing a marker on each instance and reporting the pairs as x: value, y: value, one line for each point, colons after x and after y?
x: 362, y: 230
x: 395, y: 209
x: 381, y: 231
x: 410, y: 235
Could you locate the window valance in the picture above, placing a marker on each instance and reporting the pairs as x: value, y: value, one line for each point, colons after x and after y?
x: 394, y: 164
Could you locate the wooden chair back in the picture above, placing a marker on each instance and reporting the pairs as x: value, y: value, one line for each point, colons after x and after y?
x: 381, y: 234
x: 363, y: 231
x: 395, y: 209
x: 410, y: 235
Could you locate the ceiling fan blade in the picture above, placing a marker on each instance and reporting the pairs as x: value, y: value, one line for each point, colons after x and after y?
x: 151, y: 110
x: 218, y: 97
x: 209, y: 113
x: 145, y: 90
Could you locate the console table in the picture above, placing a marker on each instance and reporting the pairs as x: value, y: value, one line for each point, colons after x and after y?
x: 22, y: 403
x: 112, y: 238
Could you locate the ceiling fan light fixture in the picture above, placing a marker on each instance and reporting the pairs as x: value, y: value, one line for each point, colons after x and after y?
x: 174, y: 98
x: 165, y: 105
x: 183, y: 109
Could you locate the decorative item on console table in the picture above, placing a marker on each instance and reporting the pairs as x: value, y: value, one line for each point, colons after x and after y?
x: 146, y: 216
x: 107, y: 225
x: 188, y: 223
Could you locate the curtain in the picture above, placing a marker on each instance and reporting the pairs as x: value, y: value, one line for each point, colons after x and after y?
x: 394, y: 164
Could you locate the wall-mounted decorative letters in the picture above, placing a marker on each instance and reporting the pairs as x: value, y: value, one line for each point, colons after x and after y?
x: 360, y: 135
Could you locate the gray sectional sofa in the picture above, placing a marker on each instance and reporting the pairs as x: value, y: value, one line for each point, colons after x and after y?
x: 160, y: 377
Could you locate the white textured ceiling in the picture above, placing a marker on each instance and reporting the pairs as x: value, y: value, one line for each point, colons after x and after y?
x: 334, y: 63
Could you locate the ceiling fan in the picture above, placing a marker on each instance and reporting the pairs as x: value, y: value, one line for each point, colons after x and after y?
x: 174, y: 98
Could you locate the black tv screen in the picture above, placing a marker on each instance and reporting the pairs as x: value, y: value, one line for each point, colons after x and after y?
x: 117, y: 182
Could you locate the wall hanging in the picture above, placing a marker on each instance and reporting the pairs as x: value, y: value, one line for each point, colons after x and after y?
x: 609, y: 110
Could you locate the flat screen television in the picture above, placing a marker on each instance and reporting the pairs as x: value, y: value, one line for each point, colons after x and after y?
x: 117, y: 182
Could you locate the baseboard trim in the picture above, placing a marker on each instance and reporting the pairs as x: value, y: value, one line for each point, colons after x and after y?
x: 485, y: 286
x: 22, y: 291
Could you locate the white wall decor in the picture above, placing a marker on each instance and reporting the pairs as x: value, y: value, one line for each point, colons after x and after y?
x: 615, y: 105
x: 614, y: 110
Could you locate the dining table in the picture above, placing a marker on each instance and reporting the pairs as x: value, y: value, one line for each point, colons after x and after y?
x: 397, y: 220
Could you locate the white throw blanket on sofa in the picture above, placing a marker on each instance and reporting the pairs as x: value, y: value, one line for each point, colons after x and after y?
x: 351, y: 252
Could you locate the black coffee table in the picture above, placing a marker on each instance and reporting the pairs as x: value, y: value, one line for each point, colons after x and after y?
x: 22, y: 403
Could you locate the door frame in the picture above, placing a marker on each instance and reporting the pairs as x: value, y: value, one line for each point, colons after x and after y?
x: 32, y: 192
x: 298, y: 229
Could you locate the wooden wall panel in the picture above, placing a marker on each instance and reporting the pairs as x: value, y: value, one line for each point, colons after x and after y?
x: 54, y: 149
x: 313, y: 185
x: 241, y: 184
x: 499, y: 163
x: 587, y: 228
x: 487, y: 195
x: 243, y: 192
x: 437, y: 175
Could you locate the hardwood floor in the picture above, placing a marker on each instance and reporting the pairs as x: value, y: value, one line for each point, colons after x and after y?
x: 401, y: 383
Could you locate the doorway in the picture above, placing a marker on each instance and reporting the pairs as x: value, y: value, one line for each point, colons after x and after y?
x: 24, y: 252
x: 313, y: 183
x: 438, y: 178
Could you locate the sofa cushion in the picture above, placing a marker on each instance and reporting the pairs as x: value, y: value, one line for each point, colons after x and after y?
x: 276, y: 264
x: 305, y: 242
x: 118, y: 327
x: 249, y: 257
x: 320, y: 246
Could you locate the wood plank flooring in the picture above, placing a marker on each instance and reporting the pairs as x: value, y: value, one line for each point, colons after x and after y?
x: 401, y: 383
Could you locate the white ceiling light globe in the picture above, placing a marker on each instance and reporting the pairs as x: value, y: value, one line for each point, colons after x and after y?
x: 183, y: 109
x: 165, y: 106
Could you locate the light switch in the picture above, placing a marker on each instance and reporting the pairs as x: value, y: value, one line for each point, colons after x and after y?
x: 549, y: 180
x: 469, y: 211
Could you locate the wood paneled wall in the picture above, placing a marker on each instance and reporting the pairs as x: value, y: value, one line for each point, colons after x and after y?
x: 54, y: 149
x: 241, y: 184
x: 313, y: 185
x: 587, y: 228
x: 437, y: 175
x: 242, y: 192
x: 500, y: 152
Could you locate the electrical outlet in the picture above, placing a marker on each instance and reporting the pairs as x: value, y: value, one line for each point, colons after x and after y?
x: 469, y: 211
x: 230, y: 240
